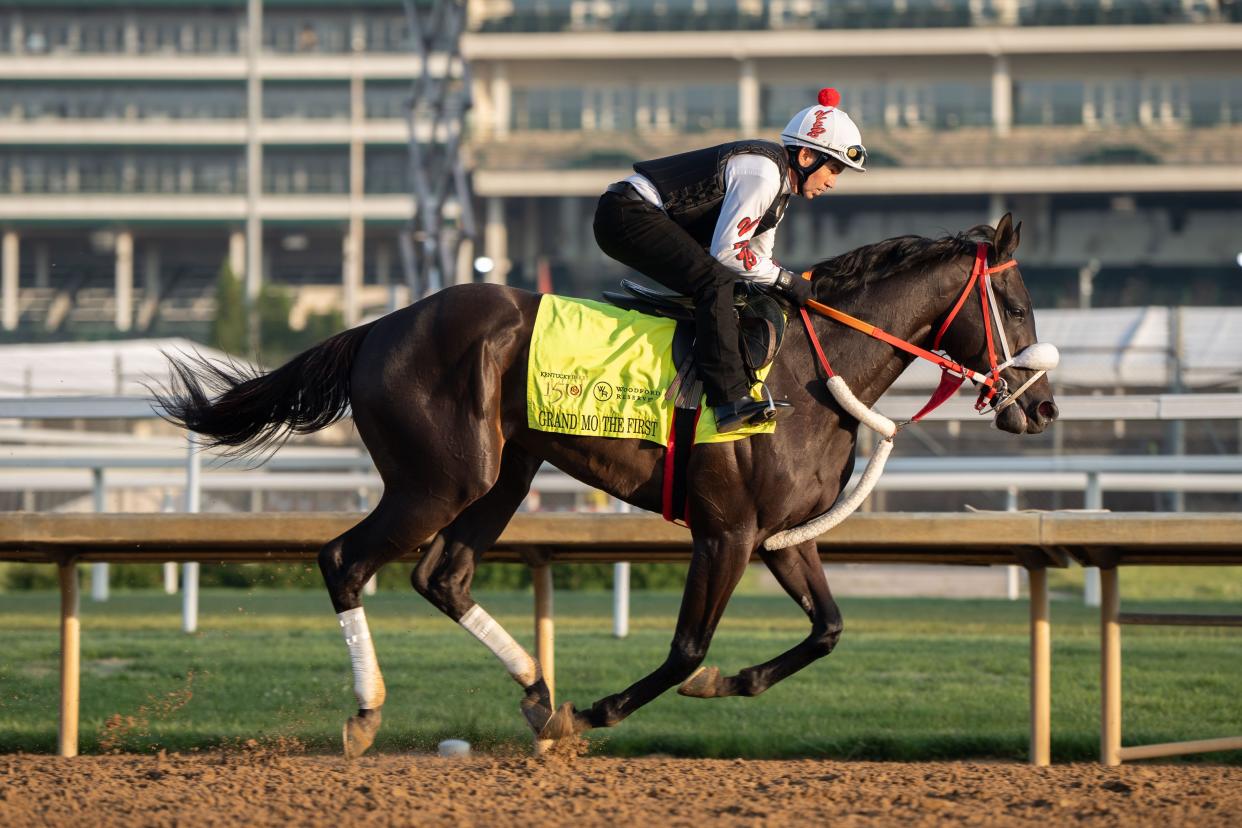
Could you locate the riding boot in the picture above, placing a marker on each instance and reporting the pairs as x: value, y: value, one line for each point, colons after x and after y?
x: 716, y: 338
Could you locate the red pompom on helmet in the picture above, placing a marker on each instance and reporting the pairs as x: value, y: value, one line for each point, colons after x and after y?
x: 828, y: 131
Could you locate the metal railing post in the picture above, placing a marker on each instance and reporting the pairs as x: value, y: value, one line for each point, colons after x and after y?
x: 1093, y: 498
x: 621, y: 589
x: 189, y: 570
x: 99, y: 571
x: 621, y: 599
x: 1013, y: 575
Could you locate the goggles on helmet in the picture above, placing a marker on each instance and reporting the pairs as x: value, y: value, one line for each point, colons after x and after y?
x: 854, y: 155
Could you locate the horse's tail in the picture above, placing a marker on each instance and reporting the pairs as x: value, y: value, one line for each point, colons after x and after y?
x: 249, y: 411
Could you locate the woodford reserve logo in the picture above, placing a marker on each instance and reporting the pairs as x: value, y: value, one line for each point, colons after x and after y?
x: 567, y: 390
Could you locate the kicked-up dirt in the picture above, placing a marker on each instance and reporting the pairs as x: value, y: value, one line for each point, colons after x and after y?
x: 257, y: 786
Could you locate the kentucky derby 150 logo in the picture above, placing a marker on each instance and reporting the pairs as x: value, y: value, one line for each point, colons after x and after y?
x: 603, y: 391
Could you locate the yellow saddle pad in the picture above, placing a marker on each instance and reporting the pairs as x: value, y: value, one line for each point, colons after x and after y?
x: 598, y: 370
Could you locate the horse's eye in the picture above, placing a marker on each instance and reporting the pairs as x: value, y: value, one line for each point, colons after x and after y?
x: 1017, y: 312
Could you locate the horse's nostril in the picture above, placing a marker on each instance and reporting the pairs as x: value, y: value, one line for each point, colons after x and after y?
x: 1047, y: 411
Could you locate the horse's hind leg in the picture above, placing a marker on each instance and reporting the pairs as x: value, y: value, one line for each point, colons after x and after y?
x: 347, y: 563
x: 800, y: 572
x: 447, y: 567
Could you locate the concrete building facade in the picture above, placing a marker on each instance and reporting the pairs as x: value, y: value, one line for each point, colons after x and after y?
x: 138, y: 138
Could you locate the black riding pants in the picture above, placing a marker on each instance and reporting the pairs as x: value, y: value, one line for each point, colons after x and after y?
x: 640, y: 235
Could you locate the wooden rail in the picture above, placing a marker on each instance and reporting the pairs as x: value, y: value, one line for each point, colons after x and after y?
x: 1111, y: 619
x: 1033, y: 540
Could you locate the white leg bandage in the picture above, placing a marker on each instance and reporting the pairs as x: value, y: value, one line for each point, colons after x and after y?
x: 368, y: 683
x: 493, y: 636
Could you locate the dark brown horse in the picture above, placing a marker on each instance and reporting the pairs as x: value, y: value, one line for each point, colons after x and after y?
x: 438, y: 394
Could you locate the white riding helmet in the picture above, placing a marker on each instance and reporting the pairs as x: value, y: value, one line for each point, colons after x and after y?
x: 826, y: 129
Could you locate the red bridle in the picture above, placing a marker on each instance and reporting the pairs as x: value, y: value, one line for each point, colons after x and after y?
x: 953, y: 374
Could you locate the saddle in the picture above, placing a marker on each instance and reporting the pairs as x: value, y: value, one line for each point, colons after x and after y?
x: 761, y: 324
x: 761, y: 327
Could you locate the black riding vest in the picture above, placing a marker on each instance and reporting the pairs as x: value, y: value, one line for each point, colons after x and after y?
x: 692, y: 185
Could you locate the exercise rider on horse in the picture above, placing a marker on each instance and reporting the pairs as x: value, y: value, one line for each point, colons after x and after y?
x: 700, y: 221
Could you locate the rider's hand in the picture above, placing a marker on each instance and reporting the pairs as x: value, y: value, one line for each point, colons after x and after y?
x: 794, y: 287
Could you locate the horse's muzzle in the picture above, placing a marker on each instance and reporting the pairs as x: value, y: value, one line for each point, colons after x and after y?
x: 1023, y: 412
x: 1029, y: 416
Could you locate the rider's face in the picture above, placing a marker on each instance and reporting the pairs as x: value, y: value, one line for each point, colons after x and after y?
x: 823, y: 179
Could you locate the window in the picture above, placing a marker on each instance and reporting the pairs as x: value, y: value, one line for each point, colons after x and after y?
x: 1167, y: 101
x: 1233, y: 98
x: 46, y: 35
x: 325, y: 100
x: 387, y: 33
x: 216, y: 35
x: 908, y: 106
x: 695, y: 108
x: 85, y: 100
x: 1207, y: 102
x: 1048, y: 103
x: 387, y: 99
x: 863, y: 101
x: 157, y: 34
x: 1114, y: 102
x: 609, y: 109
x: 102, y: 34
x: 222, y: 173
x: 548, y: 108
x: 957, y: 105
x: 778, y: 104
x: 110, y: 171
x: 709, y: 107
x: 387, y: 170
x: 296, y: 171
x: 299, y: 33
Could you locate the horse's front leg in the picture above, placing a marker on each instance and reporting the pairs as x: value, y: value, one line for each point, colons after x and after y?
x: 800, y: 572
x: 716, y: 566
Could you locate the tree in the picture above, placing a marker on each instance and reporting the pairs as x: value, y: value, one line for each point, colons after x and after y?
x: 228, y: 329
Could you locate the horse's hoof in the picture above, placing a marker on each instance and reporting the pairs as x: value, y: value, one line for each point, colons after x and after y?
x: 562, y: 725
x: 703, y: 683
x: 359, y: 732
x: 537, y: 716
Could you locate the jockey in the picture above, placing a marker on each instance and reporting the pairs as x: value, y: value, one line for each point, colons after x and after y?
x: 700, y: 221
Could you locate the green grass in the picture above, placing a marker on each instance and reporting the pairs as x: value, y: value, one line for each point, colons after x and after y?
x: 911, y: 679
x: 1190, y: 583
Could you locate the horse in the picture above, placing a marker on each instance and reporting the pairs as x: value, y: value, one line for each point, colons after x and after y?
x: 438, y: 395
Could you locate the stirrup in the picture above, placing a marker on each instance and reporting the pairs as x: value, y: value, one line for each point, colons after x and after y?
x: 747, y: 411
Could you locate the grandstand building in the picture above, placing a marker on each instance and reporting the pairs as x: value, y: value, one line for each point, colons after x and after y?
x: 124, y: 138
x: 1112, y: 128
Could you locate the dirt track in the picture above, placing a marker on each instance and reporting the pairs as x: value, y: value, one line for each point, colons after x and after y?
x: 257, y: 786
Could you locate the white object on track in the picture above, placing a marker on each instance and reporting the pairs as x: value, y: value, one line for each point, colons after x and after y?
x: 454, y: 748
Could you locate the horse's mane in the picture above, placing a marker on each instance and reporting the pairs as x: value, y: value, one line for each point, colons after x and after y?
x: 850, y: 271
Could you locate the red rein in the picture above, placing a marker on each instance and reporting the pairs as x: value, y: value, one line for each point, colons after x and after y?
x: 953, y: 373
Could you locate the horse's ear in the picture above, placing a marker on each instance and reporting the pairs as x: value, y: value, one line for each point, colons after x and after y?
x: 1007, y: 237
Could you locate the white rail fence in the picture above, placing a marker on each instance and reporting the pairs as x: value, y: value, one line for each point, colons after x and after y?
x: 59, y: 460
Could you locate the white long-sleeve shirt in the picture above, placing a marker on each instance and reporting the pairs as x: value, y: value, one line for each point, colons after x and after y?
x: 752, y: 183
